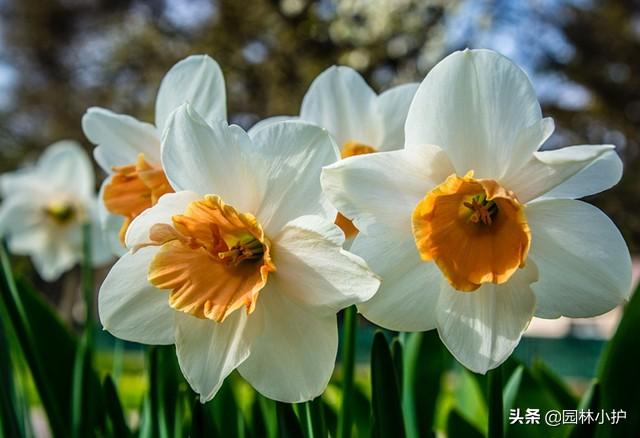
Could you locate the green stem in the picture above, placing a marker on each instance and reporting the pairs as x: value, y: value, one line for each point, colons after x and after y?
x: 26, y: 338
x: 496, y: 405
x: 349, y: 327
x: 87, y: 280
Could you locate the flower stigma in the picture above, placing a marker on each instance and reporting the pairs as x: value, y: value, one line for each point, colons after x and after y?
x: 213, y: 259
x: 475, y: 230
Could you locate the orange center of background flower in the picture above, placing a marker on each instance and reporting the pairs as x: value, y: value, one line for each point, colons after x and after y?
x: 133, y: 189
x: 350, y: 149
x: 474, y: 230
x: 213, y: 259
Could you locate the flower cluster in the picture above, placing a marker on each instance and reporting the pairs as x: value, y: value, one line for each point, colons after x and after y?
x: 232, y: 243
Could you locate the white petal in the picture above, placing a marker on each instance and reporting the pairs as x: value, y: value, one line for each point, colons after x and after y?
x: 410, y: 287
x: 584, y: 263
x: 550, y: 169
x: 293, y: 357
x: 101, y: 251
x: 120, y: 138
x: 66, y: 168
x: 130, y: 307
x: 55, y: 258
x: 482, y: 328
x: 288, y: 158
x: 340, y: 101
x: 168, y: 205
x: 209, y: 159
x: 474, y: 104
x: 314, y: 270
x: 268, y: 121
x: 20, y: 214
x: 601, y: 174
x: 197, y: 80
x: 393, y: 106
x: 209, y: 351
x: 384, y: 187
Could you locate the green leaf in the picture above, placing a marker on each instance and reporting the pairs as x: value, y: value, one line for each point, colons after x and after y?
x: 560, y: 390
x: 348, y: 357
x: 397, y: 356
x: 115, y: 413
x: 457, y: 426
x: 511, y: 391
x: 202, y: 424
x: 54, y: 346
x: 496, y: 404
x: 227, y: 414
x: 618, y: 374
x: 590, y: 400
x: 426, y: 360
x: 534, y: 394
x: 470, y: 400
x: 387, y: 412
x: 312, y: 418
x: 288, y: 425
x: 11, y: 423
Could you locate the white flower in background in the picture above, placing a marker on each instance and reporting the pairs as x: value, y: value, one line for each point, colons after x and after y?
x: 242, y: 267
x: 474, y: 236
x: 360, y: 121
x: 45, y: 206
x: 129, y: 150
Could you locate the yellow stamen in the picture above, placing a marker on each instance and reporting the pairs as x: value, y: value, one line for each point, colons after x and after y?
x: 62, y: 213
x: 213, y: 259
x: 474, y: 230
x: 133, y: 189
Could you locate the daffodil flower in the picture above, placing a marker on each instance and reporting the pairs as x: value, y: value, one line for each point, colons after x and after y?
x: 242, y: 267
x: 360, y: 121
x: 45, y: 206
x: 129, y: 150
x: 475, y: 235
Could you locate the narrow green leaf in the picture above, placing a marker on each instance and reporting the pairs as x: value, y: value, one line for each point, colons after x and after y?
x: 114, y: 409
x: 348, y: 357
x: 387, y: 412
x: 590, y: 401
x: 11, y: 423
x: 511, y: 391
x: 457, y: 426
x: 202, y: 424
x: 269, y: 415
x: 56, y: 348
x: 312, y: 418
x: 496, y: 404
x: 288, y: 425
x: 397, y: 356
x: 227, y: 414
x: 560, y: 390
x: 361, y: 412
x: 426, y: 360
x: 618, y: 374
x: 87, y: 281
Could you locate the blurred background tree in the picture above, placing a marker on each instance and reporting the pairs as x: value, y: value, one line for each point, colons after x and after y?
x: 58, y: 57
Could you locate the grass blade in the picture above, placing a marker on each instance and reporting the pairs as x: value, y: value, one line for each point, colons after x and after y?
x: 348, y: 357
x: 385, y: 396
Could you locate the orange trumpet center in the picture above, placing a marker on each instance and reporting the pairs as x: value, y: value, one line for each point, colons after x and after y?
x: 133, y: 189
x: 474, y: 230
x: 213, y: 259
x: 350, y: 149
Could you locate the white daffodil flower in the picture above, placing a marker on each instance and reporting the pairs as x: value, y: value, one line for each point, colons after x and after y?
x: 129, y: 150
x: 361, y: 121
x: 45, y: 207
x: 242, y: 267
x: 474, y: 236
